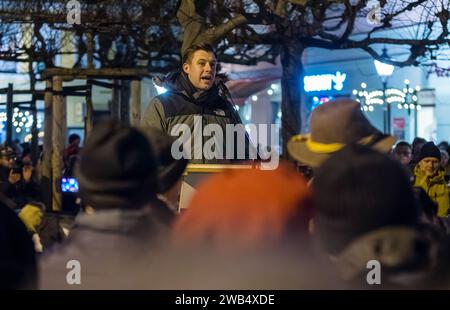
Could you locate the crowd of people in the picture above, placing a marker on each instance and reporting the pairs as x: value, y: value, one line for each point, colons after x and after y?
x: 347, y: 207
x: 366, y: 199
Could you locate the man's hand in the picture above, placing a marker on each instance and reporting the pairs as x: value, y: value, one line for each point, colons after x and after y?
x: 13, y: 177
x: 27, y: 172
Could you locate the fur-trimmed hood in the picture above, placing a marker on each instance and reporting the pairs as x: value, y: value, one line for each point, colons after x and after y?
x: 169, y: 81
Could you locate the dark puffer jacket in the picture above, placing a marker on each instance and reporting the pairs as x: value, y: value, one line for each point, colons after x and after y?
x: 184, y: 104
x: 18, y: 268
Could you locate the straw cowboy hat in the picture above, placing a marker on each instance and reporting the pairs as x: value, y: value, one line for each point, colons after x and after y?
x: 333, y: 125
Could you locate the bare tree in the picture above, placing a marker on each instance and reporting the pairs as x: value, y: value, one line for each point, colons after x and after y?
x: 150, y: 33
x: 259, y: 30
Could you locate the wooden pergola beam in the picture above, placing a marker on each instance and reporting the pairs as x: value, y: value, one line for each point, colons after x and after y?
x: 104, y: 73
x: 55, y: 118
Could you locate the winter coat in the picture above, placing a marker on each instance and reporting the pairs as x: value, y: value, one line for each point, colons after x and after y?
x: 19, y: 193
x: 408, y: 259
x: 184, y: 104
x: 111, y: 246
x: 436, y: 188
x: 18, y: 269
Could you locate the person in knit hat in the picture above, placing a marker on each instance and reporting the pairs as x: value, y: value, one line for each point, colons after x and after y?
x: 365, y: 210
x: 118, y: 168
x: 358, y: 190
x: 118, y: 182
x: 170, y: 170
x: 431, y: 177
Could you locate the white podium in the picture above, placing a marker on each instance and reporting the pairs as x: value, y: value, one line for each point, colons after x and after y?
x: 196, y: 173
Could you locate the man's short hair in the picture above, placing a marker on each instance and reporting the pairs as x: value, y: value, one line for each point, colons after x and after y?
x: 74, y: 137
x: 189, y: 52
x: 7, y: 152
x: 402, y: 143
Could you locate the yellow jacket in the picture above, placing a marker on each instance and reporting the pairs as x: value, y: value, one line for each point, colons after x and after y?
x: 436, y: 189
x: 31, y: 216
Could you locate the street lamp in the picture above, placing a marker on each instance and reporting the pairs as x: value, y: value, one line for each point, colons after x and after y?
x: 385, y: 70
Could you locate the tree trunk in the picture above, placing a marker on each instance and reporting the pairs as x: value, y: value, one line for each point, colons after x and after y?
x: 192, y: 23
x: 291, y: 89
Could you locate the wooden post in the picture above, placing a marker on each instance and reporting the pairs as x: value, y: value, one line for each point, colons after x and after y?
x: 115, y: 100
x: 64, y: 123
x: 125, y: 101
x: 58, y: 126
x: 89, y: 110
x: 34, y: 133
x: 89, y: 106
x: 46, y: 165
x: 90, y: 49
x: 34, y: 130
x: 135, y: 103
x: 9, y: 114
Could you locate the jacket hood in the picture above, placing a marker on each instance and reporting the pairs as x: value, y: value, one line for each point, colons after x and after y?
x: 170, y: 81
x: 179, y: 83
x: 403, y: 253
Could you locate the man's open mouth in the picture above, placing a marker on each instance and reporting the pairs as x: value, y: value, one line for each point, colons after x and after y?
x: 206, y: 78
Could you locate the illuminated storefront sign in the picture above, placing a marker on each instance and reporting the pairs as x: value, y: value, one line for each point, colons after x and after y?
x: 324, y: 82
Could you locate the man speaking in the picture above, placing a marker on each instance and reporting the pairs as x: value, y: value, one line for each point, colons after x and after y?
x: 197, y: 108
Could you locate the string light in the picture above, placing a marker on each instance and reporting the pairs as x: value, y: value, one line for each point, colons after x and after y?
x: 406, y: 99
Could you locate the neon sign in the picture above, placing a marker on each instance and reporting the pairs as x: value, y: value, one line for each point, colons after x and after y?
x: 324, y: 82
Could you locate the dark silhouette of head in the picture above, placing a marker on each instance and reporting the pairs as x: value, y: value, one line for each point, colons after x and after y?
x: 358, y: 190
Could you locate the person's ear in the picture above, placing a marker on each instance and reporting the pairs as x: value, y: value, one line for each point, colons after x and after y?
x: 186, y: 68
